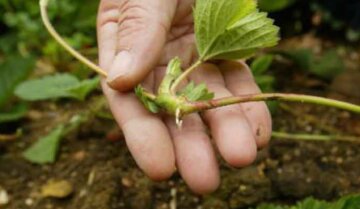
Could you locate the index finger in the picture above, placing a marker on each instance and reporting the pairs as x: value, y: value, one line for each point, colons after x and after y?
x: 145, y: 134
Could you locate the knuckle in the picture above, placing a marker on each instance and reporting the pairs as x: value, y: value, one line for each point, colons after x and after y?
x: 108, y: 13
x: 136, y: 17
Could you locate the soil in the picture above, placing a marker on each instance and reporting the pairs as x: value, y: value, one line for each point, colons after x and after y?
x: 104, y: 176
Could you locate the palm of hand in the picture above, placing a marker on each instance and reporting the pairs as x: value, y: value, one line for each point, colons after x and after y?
x: 132, y: 38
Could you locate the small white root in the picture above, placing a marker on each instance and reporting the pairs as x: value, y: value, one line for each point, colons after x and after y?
x: 173, y: 202
x: 178, y: 120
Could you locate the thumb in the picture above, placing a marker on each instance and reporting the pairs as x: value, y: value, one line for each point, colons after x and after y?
x: 142, y: 32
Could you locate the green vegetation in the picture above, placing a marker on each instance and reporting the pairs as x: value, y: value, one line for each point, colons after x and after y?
x: 326, y: 66
x: 56, y: 86
x: 272, y: 6
x: 348, y: 202
x: 23, y: 42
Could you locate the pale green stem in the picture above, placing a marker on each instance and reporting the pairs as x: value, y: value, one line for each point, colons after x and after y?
x: 311, y: 137
x: 184, y: 75
x: 204, y: 105
x: 62, y: 42
x: 150, y: 96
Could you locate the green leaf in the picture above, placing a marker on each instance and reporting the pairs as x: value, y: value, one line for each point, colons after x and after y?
x: 83, y: 89
x: 15, y: 113
x: 54, y: 87
x: 196, y: 93
x: 232, y: 29
x: 174, y: 68
x: 45, y: 149
x: 149, y: 104
x: 259, y: 67
x: 328, y: 66
x: 48, y: 87
x: 12, y: 71
x: 302, y: 57
x: 275, y: 5
x: 347, y: 202
x: 173, y: 71
x: 212, y: 18
x: 265, y: 82
x: 261, y: 64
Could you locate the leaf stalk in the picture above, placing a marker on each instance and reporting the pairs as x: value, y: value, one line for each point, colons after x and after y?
x: 63, y: 43
x: 205, y: 105
x: 184, y: 75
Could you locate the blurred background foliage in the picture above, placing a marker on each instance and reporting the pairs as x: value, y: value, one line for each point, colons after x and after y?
x: 22, y: 31
x: 25, y: 45
x: 331, y: 17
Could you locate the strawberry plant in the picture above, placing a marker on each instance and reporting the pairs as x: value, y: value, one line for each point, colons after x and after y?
x: 237, y: 35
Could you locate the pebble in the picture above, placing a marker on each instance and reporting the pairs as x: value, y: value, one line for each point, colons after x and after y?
x: 57, y: 189
x: 29, y: 202
x: 83, y: 193
x: 4, y: 197
x: 339, y: 160
x: 243, y: 188
x: 80, y: 155
x: 127, y: 182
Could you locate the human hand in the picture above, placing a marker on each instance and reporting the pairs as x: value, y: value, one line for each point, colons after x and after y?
x: 137, y: 38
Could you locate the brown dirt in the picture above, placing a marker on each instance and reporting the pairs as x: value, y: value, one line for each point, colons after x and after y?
x: 285, y: 171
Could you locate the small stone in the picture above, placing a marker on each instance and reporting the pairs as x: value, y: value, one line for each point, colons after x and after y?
x: 29, y: 202
x: 83, y: 193
x: 4, y: 197
x: 339, y: 160
x: 80, y: 155
x: 126, y: 182
x: 57, y: 189
x: 324, y: 159
x: 243, y: 188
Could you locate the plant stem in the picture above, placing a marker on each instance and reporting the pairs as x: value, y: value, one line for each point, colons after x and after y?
x: 205, y: 105
x: 150, y: 96
x: 311, y: 137
x: 62, y: 42
x: 184, y: 75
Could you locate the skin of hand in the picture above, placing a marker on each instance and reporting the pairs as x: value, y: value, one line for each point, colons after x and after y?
x: 137, y: 38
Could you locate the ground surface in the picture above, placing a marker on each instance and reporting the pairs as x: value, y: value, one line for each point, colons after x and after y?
x: 104, y: 176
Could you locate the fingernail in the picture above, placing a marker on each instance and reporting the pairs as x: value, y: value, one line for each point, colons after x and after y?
x: 121, y: 66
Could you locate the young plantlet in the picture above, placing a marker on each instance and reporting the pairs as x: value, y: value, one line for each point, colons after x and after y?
x: 224, y: 30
